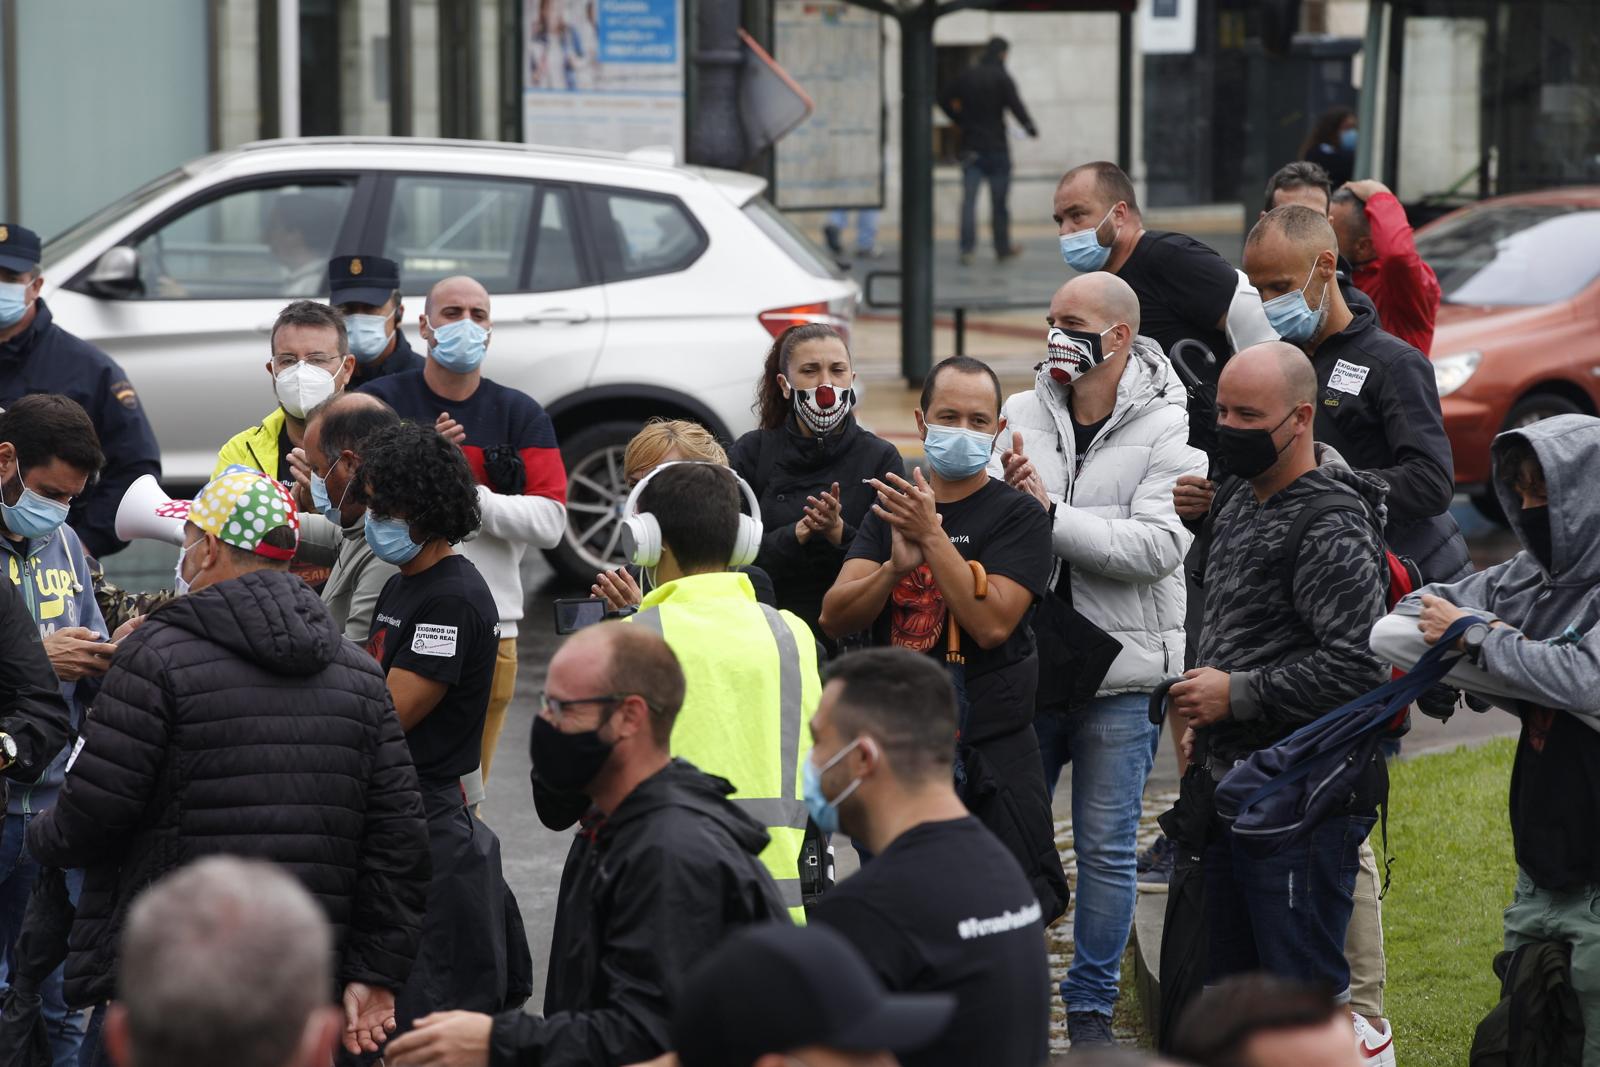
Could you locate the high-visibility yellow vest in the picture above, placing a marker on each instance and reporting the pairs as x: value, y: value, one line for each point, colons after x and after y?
x: 255, y: 448
x: 752, y: 687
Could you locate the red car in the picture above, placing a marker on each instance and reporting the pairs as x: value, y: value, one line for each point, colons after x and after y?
x: 1518, y: 336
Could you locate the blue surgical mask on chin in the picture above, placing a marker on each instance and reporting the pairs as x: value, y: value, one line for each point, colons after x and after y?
x: 1082, y: 249
x: 33, y: 515
x: 320, y: 499
x: 13, y: 302
x: 460, y: 346
x: 390, y: 540
x: 955, y: 453
x: 825, y: 812
x: 1292, y: 317
x: 369, y: 336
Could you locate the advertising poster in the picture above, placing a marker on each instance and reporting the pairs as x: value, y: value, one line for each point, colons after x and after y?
x: 605, y: 74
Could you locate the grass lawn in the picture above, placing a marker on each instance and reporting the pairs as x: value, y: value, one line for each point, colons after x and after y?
x: 1451, y: 840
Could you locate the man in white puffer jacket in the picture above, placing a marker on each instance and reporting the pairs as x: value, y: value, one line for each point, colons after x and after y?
x: 1100, y: 441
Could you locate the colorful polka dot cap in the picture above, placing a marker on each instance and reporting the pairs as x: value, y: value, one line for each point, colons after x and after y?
x: 240, y: 505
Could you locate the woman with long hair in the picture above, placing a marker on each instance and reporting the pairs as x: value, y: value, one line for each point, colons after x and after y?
x: 808, y: 462
x: 1332, y: 144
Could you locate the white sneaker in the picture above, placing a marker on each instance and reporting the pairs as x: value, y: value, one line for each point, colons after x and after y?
x: 1375, y: 1045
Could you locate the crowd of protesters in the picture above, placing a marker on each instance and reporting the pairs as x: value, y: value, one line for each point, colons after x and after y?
x: 243, y: 821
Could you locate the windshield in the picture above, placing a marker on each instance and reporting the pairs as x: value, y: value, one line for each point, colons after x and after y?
x: 74, y: 237
x: 789, y: 237
x: 1514, y: 253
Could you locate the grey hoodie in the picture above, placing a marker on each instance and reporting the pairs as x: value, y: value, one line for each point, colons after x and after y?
x: 1548, y: 653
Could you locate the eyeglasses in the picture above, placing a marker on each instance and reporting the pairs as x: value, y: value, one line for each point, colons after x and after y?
x: 328, y: 361
x: 558, y: 708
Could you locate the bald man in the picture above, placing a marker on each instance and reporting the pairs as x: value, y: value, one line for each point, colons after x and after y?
x: 1099, y: 441
x: 1377, y: 402
x: 510, y: 445
x: 1287, y: 613
x: 665, y: 867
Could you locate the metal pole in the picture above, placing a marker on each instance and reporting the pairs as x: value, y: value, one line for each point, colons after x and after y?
x: 400, y: 68
x: 1393, y: 80
x: 916, y: 191
x: 1125, y: 91
x: 288, y: 68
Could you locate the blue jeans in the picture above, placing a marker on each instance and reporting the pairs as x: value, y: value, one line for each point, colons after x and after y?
x: 1109, y: 744
x: 1285, y: 914
x: 995, y: 168
x: 17, y: 872
x: 866, y: 226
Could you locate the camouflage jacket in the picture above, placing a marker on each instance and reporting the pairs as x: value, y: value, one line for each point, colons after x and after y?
x: 1292, y: 633
x: 118, y: 606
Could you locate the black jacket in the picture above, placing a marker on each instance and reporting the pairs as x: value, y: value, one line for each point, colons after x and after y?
x: 645, y: 893
x: 44, y: 358
x: 784, y: 466
x: 31, y: 708
x: 1392, y: 427
x: 237, y: 719
x: 977, y: 102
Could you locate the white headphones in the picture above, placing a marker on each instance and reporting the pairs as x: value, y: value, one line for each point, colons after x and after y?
x: 641, y: 534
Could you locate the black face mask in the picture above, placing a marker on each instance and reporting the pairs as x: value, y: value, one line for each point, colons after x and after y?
x: 1536, y: 533
x: 566, y: 762
x: 1248, y: 453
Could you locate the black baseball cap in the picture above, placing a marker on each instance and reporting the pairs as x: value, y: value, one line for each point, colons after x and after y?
x: 777, y: 988
x: 362, y: 279
x: 19, y: 247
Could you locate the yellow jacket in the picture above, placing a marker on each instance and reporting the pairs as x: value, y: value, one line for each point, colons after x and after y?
x: 752, y: 687
x: 255, y: 448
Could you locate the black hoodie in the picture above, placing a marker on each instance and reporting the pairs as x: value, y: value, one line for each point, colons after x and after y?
x: 237, y: 719
x: 645, y: 893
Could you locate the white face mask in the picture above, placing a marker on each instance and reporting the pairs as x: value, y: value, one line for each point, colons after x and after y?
x: 302, y: 387
x: 180, y: 584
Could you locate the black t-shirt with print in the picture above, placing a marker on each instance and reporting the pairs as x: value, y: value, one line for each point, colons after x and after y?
x: 443, y: 625
x: 1003, y: 529
x: 1083, y: 435
x: 946, y: 909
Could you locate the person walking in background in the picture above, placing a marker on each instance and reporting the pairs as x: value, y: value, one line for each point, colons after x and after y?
x: 809, y: 463
x: 1099, y: 441
x: 1331, y: 144
x: 1376, y: 239
x: 866, y: 232
x: 977, y: 102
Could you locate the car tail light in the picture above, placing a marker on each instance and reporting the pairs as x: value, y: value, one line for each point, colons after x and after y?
x: 779, y: 319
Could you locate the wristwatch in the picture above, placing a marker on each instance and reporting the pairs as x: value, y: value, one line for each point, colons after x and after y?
x: 1472, y: 640
x: 8, y: 751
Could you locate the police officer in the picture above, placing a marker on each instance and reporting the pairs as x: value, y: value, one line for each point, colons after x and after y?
x: 366, y: 291
x: 37, y: 356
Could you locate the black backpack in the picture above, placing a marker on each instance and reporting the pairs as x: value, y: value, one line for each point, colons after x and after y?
x: 1537, y: 1022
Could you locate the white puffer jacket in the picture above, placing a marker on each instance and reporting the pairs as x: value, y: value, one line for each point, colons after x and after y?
x: 1115, y: 526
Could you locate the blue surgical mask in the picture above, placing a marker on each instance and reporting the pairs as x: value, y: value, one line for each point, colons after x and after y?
x: 33, y: 515
x: 391, y: 540
x: 1082, y: 250
x: 13, y: 302
x: 1292, y: 317
x: 320, y: 499
x: 369, y: 335
x: 1347, y: 139
x: 825, y: 812
x: 460, y: 346
x: 956, y: 453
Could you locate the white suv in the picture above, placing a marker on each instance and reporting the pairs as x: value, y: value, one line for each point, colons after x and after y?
x: 623, y: 288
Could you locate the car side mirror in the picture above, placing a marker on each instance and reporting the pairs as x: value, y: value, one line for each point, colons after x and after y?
x: 116, y: 273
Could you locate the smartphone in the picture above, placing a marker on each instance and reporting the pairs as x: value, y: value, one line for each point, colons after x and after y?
x: 574, y: 613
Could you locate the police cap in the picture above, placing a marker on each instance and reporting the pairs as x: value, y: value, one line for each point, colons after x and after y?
x: 19, y: 247
x: 362, y: 279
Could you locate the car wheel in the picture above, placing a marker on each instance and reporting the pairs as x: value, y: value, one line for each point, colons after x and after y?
x: 596, y: 489
x: 1535, y: 407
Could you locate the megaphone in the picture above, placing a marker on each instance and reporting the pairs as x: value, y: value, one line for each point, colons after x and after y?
x: 148, y: 513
